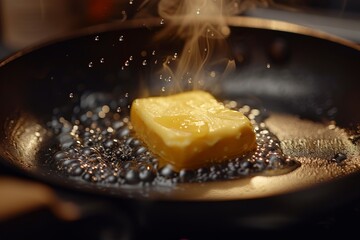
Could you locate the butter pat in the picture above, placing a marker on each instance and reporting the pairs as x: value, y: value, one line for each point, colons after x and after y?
x: 191, y: 129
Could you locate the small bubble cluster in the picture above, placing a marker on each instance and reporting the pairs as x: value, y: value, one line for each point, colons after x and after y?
x: 97, y: 144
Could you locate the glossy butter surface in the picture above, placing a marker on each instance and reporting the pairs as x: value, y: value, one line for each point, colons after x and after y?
x: 191, y: 129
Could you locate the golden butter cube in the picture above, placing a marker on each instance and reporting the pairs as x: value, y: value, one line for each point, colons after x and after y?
x: 191, y: 129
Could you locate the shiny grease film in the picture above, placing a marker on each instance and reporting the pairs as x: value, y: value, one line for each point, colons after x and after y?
x: 95, y: 143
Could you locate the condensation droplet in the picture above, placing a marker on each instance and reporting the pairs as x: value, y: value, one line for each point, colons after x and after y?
x: 97, y: 38
x: 225, y: 30
x: 131, y: 2
x: 268, y: 65
x: 102, y: 60
x: 162, y: 21
x: 90, y: 64
x: 153, y: 53
x: 144, y: 63
x: 198, y: 11
x: 167, y: 79
x: 163, y: 89
x: 121, y: 38
x: 127, y: 63
x: 131, y: 58
x: 71, y: 95
x: 126, y: 95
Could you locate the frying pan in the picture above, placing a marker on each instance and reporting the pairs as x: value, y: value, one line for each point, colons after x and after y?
x: 306, y: 81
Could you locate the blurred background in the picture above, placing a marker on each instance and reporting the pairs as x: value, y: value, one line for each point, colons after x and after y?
x: 27, y: 22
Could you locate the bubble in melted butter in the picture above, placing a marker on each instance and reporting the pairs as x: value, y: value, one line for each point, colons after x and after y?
x: 103, y: 148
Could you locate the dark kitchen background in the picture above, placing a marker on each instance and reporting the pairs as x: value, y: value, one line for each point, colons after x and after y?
x: 24, y: 23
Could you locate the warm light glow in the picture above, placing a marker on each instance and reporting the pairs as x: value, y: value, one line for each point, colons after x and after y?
x: 202, y: 24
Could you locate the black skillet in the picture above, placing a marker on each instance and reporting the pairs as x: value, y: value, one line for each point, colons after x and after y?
x: 306, y: 81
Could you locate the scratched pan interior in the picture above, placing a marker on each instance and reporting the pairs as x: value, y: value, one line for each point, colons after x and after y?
x: 305, y: 87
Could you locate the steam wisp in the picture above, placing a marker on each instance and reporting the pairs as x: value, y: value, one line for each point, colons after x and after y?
x: 201, y: 24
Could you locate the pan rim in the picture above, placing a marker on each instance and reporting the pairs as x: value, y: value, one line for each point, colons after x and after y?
x: 232, y: 21
x: 247, y: 22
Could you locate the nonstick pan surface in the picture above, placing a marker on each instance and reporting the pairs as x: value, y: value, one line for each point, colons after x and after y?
x: 306, y: 81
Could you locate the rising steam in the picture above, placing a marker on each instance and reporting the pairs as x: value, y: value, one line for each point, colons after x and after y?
x: 205, y: 57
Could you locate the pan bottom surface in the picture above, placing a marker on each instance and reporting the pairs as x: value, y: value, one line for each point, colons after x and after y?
x: 93, y: 145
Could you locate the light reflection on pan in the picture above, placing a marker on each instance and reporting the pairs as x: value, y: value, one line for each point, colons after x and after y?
x: 315, y: 80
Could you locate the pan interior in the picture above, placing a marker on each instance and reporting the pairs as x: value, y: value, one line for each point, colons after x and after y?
x: 306, y: 88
